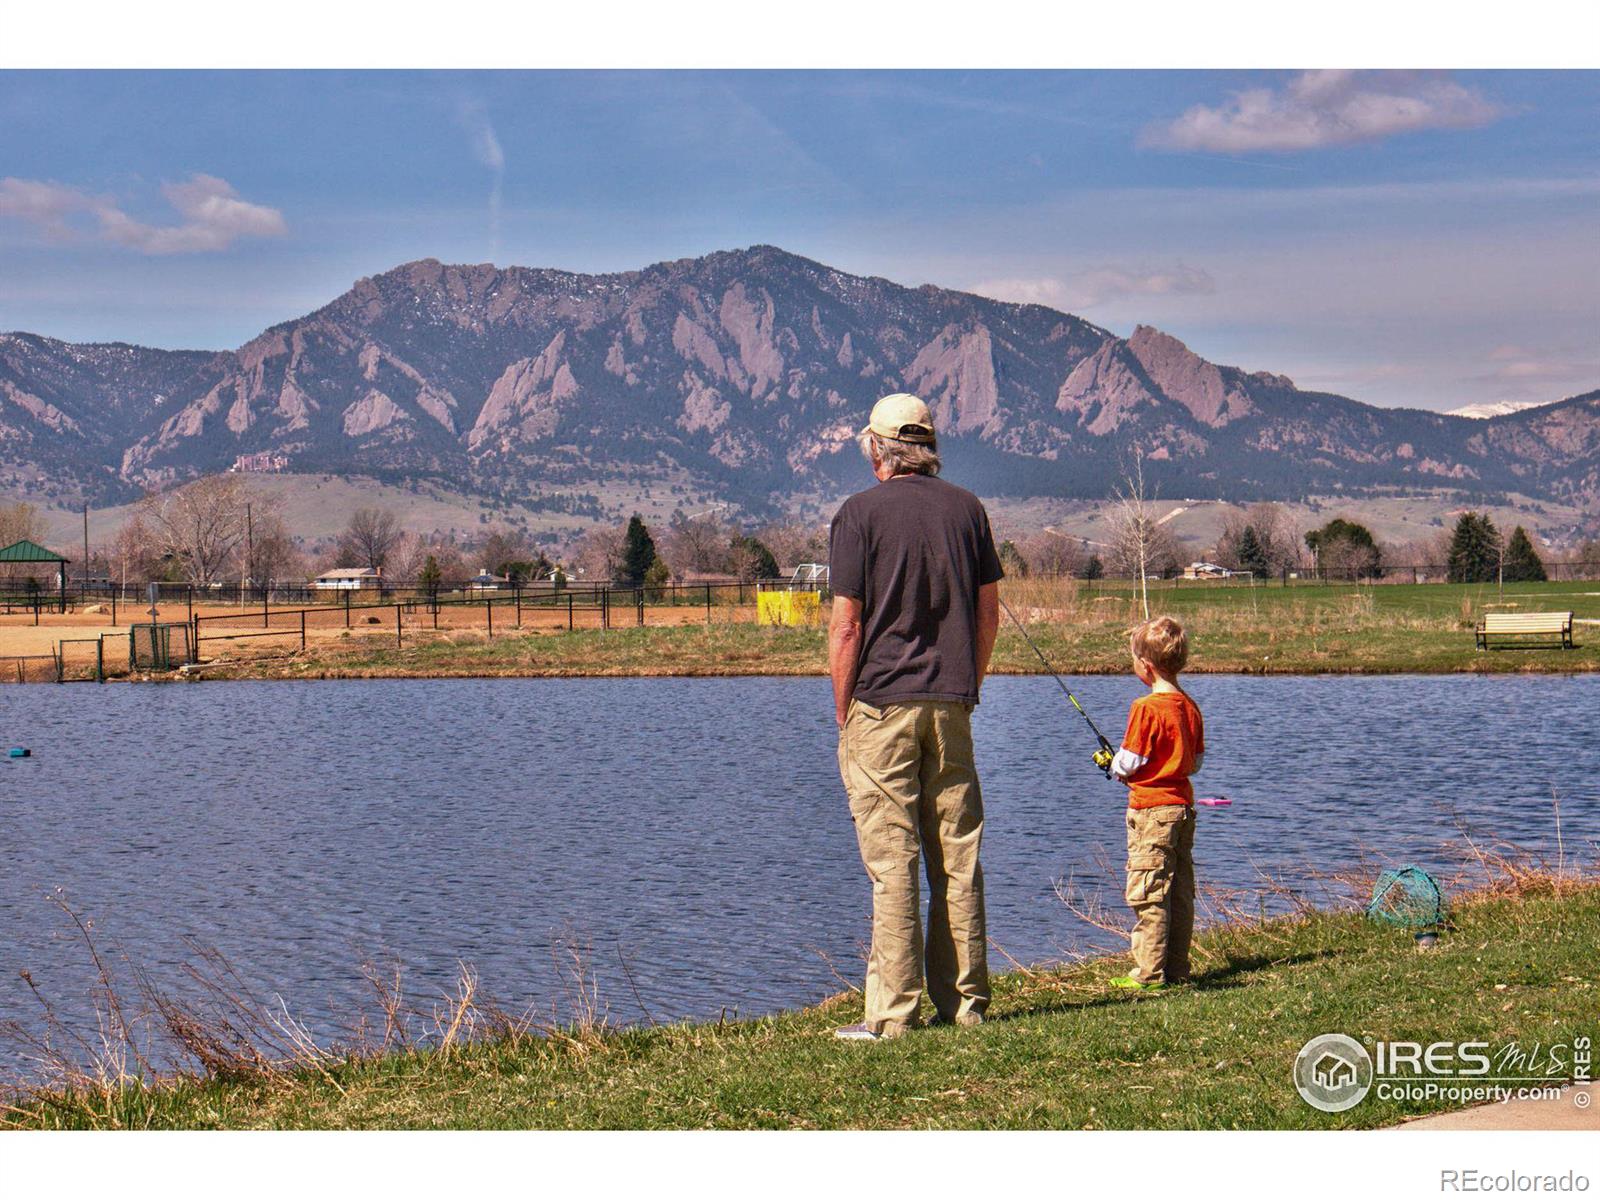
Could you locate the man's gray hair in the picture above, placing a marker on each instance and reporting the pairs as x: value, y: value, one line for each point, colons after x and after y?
x: 902, y: 458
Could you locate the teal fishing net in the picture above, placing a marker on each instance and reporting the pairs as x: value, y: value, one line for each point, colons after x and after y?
x: 1409, y: 897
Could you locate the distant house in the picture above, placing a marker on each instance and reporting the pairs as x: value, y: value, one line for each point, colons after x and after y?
x: 264, y: 462
x: 487, y: 581
x: 350, y: 579
x: 1205, y: 570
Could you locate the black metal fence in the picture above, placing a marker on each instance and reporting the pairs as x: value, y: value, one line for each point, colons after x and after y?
x: 131, y: 601
x: 371, y: 610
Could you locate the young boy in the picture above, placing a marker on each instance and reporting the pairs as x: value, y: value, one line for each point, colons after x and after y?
x: 1162, y: 748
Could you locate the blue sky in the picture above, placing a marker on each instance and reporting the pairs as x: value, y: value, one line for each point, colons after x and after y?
x: 1431, y: 240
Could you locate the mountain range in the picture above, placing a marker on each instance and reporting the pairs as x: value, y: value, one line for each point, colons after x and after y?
x: 745, y: 373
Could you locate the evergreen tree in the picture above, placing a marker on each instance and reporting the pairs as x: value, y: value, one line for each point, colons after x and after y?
x: 1346, y: 549
x: 1523, y: 564
x: 656, y: 580
x: 1474, y: 550
x: 1252, y: 554
x: 1094, y: 568
x: 752, y: 559
x: 1011, y: 559
x: 638, y: 552
x: 429, y: 579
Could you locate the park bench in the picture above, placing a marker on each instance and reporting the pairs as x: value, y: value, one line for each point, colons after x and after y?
x: 1526, y: 629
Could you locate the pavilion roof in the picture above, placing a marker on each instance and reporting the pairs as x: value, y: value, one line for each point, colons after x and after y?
x: 30, y: 552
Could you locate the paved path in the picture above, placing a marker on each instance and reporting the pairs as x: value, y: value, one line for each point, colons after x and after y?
x: 1578, y: 1108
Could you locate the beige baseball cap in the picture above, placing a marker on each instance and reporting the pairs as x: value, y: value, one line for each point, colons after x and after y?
x: 901, y: 417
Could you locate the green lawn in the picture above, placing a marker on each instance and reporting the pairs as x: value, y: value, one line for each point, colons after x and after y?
x: 1299, y: 629
x: 1062, y: 1050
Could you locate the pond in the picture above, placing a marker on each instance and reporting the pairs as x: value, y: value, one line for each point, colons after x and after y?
x: 692, y: 834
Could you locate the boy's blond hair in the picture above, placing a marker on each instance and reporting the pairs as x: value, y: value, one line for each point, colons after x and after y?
x: 1161, y: 642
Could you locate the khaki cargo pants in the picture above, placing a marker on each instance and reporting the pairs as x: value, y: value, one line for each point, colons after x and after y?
x: 913, y: 787
x: 1161, y: 891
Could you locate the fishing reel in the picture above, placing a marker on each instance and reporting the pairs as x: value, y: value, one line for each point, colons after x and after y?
x: 1103, y: 757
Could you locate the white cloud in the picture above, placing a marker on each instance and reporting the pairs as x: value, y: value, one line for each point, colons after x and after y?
x: 214, y: 217
x: 45, y: 205
x: 485, y: 142
x: 1520, y: 365
x: 486, y: 149
x: 1090, y: 288
x: 1325, y: 108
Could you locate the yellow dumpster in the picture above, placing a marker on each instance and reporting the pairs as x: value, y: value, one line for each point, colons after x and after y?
x: 789, y: 608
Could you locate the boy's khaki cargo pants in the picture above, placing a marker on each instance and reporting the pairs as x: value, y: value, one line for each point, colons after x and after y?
x: 1161, y: 891
x: 913, y: 787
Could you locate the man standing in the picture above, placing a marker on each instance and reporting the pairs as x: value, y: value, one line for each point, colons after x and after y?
x: 916, y: 606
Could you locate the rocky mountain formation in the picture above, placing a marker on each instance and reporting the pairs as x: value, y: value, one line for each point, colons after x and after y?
x: 744, y: 371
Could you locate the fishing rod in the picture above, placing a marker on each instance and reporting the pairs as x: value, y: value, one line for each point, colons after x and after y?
x: 1106, y: 752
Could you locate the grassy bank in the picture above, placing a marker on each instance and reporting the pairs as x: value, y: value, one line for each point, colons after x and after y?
x: 1295, y: 630
x: 1062, y: 1050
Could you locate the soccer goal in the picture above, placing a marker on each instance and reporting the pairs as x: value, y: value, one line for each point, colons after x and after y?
x: 159, y: 647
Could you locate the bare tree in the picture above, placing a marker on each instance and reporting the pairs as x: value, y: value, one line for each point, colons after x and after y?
x: 1140, y: 545
x: 20, y: 522
x: 598, y: 553
x: 369, y: 538
x: 452, y: 563
x: 1430, y: 550
x: 793, y: 543
x: 503, y: 547
x: 1275, y: 535
x: 408, y: 556
x: 272, y: 552
x: 412, y: 551
x: 751, y: 559
x: 134, y: 553
x: 199, y: 526
x: 699, y: 543
x: 1276, y: 532
x: 1051, y: 553
x: 1584, y: 560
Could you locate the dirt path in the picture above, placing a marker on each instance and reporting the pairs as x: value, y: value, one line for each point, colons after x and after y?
x: 42, y: 638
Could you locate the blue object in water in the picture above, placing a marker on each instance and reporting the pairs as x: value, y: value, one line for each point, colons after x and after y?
x: 20, y: 752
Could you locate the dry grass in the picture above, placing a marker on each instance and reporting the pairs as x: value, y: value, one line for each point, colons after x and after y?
x: 148, y: 1039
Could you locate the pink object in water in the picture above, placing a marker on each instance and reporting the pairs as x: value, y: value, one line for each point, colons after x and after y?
x: 1214, y: 801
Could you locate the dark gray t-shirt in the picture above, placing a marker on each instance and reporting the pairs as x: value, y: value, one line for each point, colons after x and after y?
x: 914, y: 550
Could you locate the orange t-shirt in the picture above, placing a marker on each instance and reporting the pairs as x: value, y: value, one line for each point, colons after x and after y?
x: 1162, y: 748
